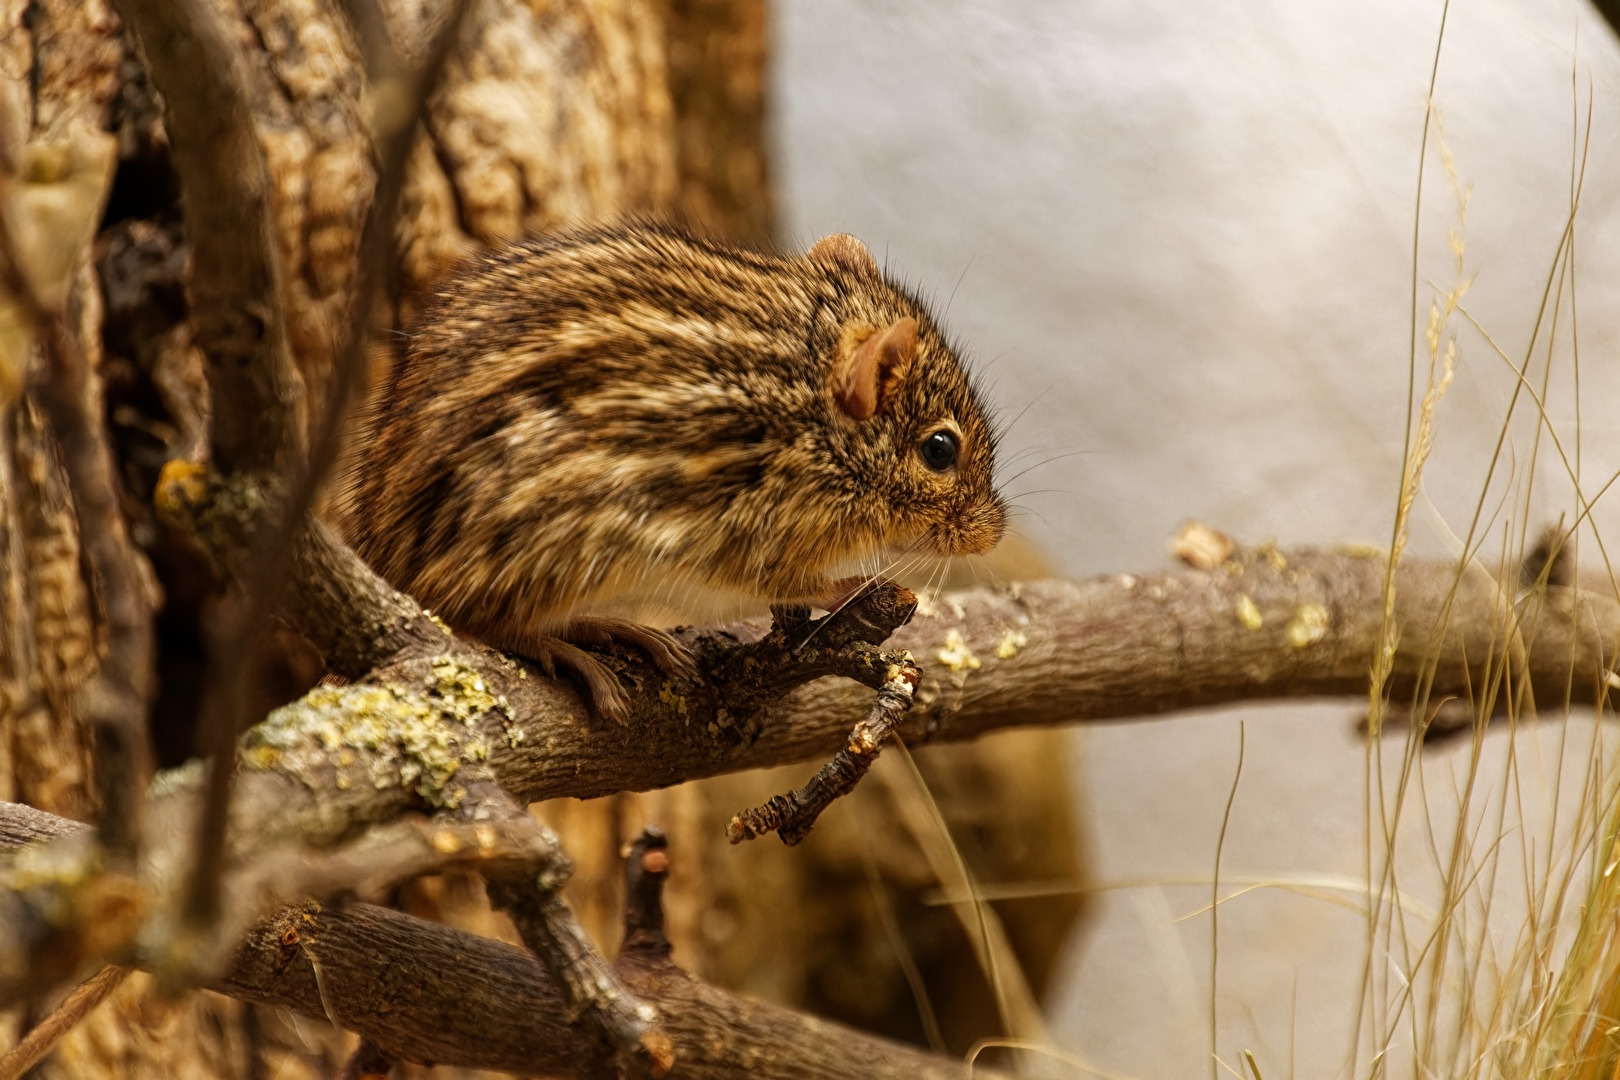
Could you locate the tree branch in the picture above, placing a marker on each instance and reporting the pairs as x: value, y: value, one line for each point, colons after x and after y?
x: 235, y: 284
x: 1262, y: 625
x: 236, y: 308
x: 428, y: 993
x: 116, y: 699
x: 624, y: 1032
x: 235, y: 176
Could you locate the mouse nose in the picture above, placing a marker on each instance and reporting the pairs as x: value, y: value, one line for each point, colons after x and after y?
x: 977, y: 530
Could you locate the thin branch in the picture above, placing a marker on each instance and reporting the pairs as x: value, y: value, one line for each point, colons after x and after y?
x: 616, y: 1025
x: 793, y: 815
x: 117, y: 698
x: 235, y: 286
x: 235, y: 293
x: 33, y: 1047
x: 397, y: 105
x: 625, y: 1033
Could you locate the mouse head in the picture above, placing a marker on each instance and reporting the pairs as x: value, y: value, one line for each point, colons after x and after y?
x: 908, y: 419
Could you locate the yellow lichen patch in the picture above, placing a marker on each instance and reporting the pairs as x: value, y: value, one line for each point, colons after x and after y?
x: 461, y: 691
x: 460, y: 688
x: 1247, y: 613
x: 1011, y: 641
x: 1308, y: 626
x: 440, y: 623
x: 1201, y: 547
x: 391, y: 734
x: 181, y: 485
x: 675, y: 702
x: 956, y: 655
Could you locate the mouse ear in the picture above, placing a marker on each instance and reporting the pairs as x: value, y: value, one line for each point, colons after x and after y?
x: 870, y: 367
x: 845, y: 252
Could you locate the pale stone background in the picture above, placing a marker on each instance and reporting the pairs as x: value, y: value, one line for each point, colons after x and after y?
x: 1179, y: 235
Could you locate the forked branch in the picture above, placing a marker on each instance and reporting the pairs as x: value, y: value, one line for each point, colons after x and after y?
x: 424, y: 992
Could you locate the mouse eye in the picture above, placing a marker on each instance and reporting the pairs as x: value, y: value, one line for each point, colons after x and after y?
x: 938, y: 450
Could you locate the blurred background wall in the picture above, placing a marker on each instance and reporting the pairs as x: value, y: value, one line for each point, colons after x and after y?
x: 1178, y: 240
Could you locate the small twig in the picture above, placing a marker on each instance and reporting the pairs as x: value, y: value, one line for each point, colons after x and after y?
x: 368, y: 1062
x: 645, y: 871
x: 852, y: 635
x: 33, y: 1047
x: 625, y: 1033
x: 793, y: 815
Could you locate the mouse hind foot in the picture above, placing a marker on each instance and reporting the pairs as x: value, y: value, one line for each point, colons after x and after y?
x: 667, y: 652
x: 561, y: 649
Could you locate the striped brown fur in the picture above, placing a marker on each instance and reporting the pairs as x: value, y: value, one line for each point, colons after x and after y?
x: 623, y: 414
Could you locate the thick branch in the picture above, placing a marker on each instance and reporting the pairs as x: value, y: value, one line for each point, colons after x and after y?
x: 353, y: 616
x: 1114, y: 647
x: 1261, y: 625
